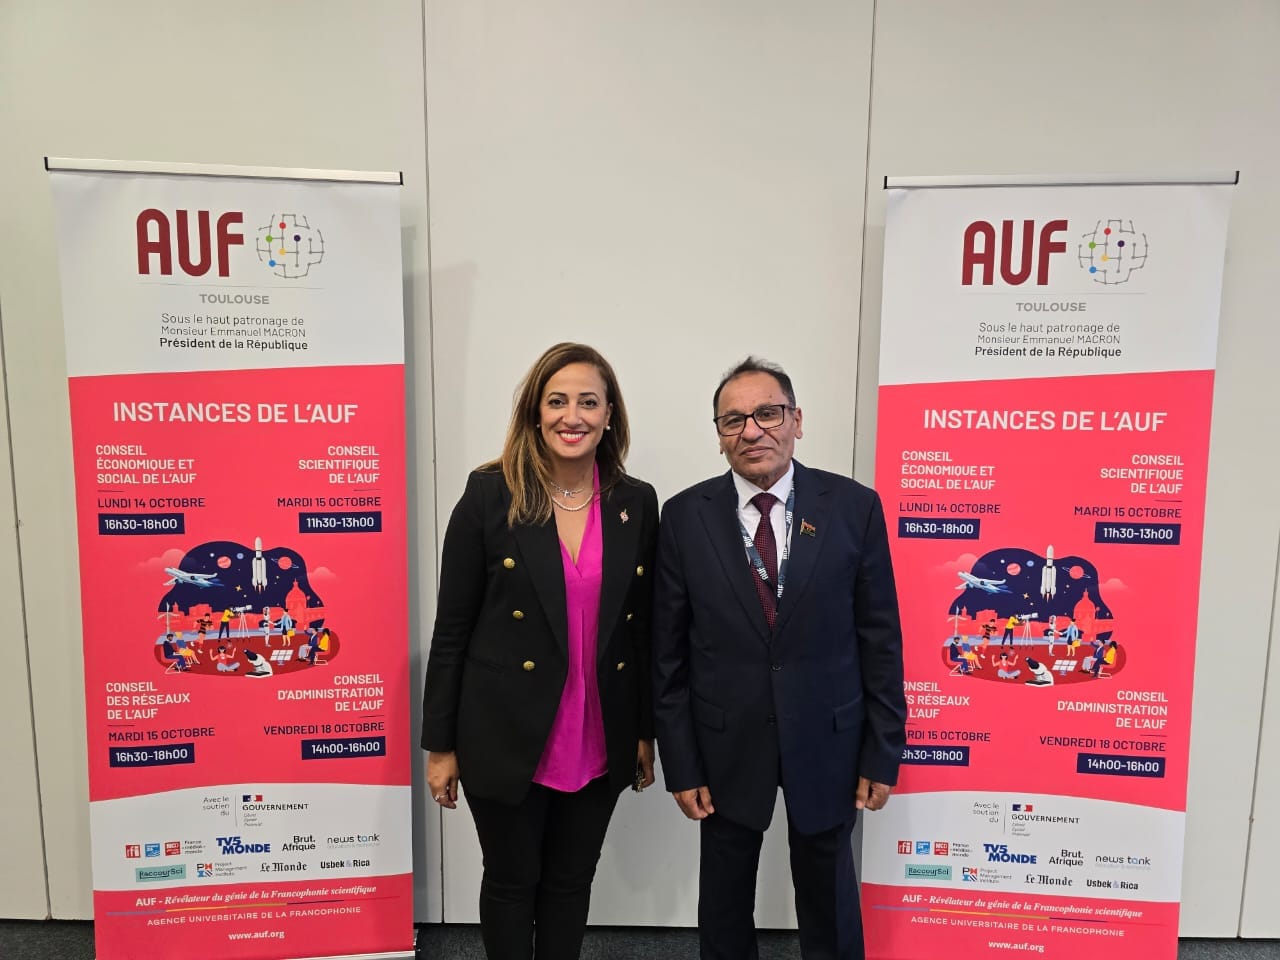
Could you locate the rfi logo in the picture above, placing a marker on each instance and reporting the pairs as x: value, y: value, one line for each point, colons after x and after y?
x: 904, y: 846
x: 133, y: 851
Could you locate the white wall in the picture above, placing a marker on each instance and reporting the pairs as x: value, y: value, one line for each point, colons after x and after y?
x: 134, y: 80
x: 999, y: 86
x: 677, y: 184
x: 23, y: 891
x: 1258, y: 916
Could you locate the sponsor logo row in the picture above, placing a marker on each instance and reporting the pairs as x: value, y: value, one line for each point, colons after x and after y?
x: 236, y: 846
x: 1002, y: 853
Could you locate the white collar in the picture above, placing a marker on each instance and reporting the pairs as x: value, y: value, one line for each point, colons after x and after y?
x: 746, y: 489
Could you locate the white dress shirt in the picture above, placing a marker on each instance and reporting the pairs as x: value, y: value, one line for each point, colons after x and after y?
x: 749, y: 516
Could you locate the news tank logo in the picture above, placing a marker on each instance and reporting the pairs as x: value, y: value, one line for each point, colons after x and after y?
x: 151, y: 849
x: 1112, y: 251
x: 922, y: 848
x: 289, y: 246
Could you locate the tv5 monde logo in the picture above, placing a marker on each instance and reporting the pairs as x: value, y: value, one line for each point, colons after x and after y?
x: 1108, y: 251
x: 286, y: 244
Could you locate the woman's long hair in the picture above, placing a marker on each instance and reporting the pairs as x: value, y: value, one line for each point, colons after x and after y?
x: 524, y: 462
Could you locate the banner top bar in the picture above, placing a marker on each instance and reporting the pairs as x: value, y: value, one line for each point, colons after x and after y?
x: 1062, y: 180
x: 223, y: 170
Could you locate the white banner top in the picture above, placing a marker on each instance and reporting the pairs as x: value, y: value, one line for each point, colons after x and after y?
x: 1052, y: 276
x: 217, y: 273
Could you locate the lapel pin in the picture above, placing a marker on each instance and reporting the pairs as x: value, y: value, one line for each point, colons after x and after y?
x: 807, y: 529
x: 623, y: 516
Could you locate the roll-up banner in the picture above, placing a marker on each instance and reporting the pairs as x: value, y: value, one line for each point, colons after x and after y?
x: 235, y: 354
x: 1046, y: 369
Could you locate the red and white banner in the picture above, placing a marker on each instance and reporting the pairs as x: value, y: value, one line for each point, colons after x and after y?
x: 235, y: 350
x: 1046, y: 370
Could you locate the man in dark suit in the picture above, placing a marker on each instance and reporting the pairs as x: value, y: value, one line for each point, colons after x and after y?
x: 777, y: 658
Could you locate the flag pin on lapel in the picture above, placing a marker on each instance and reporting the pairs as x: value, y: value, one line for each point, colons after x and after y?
x: 807, y: 529
x: 623, y: 516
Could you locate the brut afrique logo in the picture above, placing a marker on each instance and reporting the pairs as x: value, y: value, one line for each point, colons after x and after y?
x: 287, y: 245
x: 1110, y: 253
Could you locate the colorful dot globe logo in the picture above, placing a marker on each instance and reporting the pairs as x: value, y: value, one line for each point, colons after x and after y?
x: 1112, y: 251
x: 289, y: 246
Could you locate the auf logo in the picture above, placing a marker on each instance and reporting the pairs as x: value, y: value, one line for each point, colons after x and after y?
x: 289, y: 245
x: 1112, y: 251
x: 983, y: 247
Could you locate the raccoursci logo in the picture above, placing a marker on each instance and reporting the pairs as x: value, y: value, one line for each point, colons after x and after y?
x: 920, y: 871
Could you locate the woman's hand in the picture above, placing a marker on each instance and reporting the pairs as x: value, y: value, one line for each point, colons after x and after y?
x: 644, y: 764
x: 442, y: 777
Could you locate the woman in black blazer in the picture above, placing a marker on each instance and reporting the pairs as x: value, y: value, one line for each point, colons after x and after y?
x: 537, y: 694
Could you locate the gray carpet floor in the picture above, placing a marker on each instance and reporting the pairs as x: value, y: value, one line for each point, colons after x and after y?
x: 63, y: 940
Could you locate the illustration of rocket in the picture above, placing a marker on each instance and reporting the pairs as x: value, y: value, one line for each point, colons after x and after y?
x: 258, y: 579
x: 1048, y: 575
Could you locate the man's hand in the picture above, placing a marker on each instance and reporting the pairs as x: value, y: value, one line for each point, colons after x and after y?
x: 644, y: 764
x: 695, y: 803
x: 442, y: 778
x: 872, y: 796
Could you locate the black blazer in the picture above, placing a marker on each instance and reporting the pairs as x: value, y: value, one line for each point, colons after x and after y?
x: 499, y: 653
x: 819, y: 699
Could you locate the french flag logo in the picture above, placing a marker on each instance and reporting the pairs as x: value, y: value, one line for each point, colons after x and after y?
x: 257, y: 798
x: 1023, y: 808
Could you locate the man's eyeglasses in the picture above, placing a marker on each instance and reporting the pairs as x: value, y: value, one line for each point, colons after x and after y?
x: 767, y: 417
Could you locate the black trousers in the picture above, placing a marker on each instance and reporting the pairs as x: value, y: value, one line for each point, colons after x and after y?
x: 539, y: 860
x: 826, y: 891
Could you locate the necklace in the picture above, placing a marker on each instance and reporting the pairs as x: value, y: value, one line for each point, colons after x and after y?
x: 564, y: 492
x: 581, y: 506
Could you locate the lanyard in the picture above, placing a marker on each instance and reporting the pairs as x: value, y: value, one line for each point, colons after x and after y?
x: 754, y: 555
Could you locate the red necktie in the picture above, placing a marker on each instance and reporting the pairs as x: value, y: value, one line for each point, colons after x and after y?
x: 767, y: 547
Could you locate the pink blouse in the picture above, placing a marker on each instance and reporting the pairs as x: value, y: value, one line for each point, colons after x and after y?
x: 575, y: 750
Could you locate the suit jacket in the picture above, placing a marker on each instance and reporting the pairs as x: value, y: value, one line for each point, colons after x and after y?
x: 816, y: 702
x: 500, y: 651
